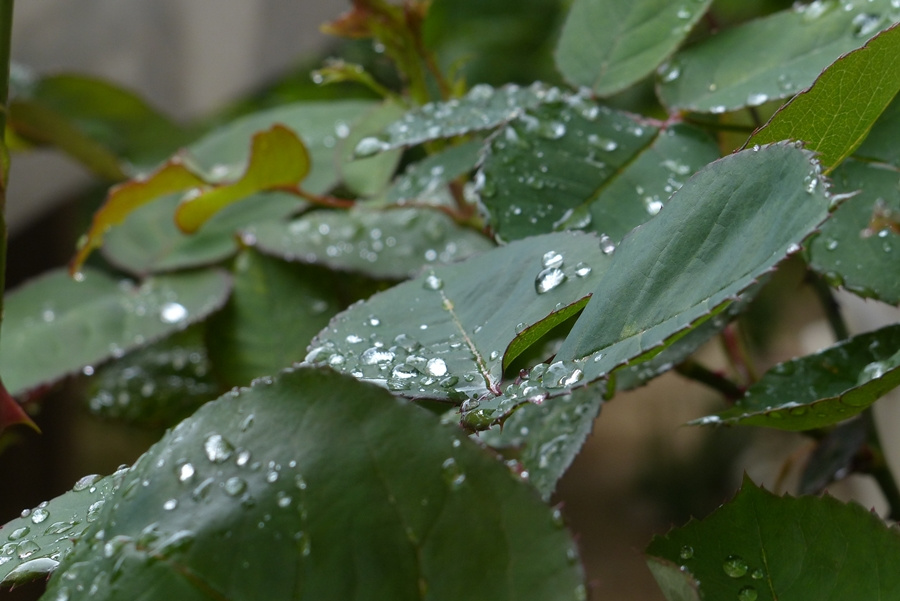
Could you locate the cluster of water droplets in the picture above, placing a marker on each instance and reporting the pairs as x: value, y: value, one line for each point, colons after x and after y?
x: 735, y: 567
x: 552, y: 273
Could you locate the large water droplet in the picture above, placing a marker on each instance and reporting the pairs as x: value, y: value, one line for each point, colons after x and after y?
x: 548, y: 279
x: 27, y: 548
x: 370, y: 146
x: 607, y: 246
x: 39, y: 515
x: 234, y: 486
x: 376, y: 356
x: 735, y: 566
x: 432, y: 282
x: 748, y: 593
x: 552, y: 259
x: 865, y: 24
x: 185, y: 472
x: 436, y: 367
x: 173, y: 312
x: 85, y: 482
x: 452, y: 473
x: 217, y: 448
x: 687, y: 552
x: 170, y: 504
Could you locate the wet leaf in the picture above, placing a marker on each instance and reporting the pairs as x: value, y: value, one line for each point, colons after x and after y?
x: 836, y: 114
x: 849, y: 252
x: 548, y: 436
x: 274, y: 311
x: 821, y: 389
x: 367, y: 177
x: 484, y: 107
x: 881, y: 143
x: 426, y: 181
x: 588, y: 167
x: 31, y: 546
x: 278, y: 159
x: 56, y: 326
x: 94, y: 121
x: 608, y: 45
x: 148, y: 240
x: 763, y: 547
x: 313, y: 473
x: 155, y: 386
x: 770, y: 58
x: 449, y: 333
x: 722, y: 231
x: 389, y: 244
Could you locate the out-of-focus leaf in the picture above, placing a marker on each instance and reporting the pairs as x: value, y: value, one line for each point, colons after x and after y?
x: 157, y: 385
x: 11, y: 413
x: 835, y: 115
x: 148, y: 240
x: 608, y: 45
x: 93, y: 120
x: 849, y: 252
x: 723, y: 230
x: 426, y: 181
x: 390, y: 243
x: 482, y: 108
x: 562, y: 167
x: 448, y: 334
x: 548, y: 435
x: 55, y: 326
x: 821, y: 389
x: 275, y: 310
x: 763, y: 547
x: 770, y: 58
x: 833, y: 458
x: 31, y: 546
x: 313, y: 474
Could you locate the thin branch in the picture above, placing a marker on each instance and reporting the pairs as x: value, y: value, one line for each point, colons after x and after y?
x: 694, y: 370
x: 830, y: 306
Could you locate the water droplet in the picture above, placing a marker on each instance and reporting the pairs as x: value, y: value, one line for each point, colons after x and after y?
x: 173, y: 312
x: 27, y: 548
x: 432, y: 282
x: 757, y: 574
x: 376, y: 356
x: 604, y: 144
x: 548, y: 279
x: 185, y: 472
x: 717, y: 110
x: 85, y: 482
x: 370, y: 146
x: 735, y: 566
x: 39, y: 515
x: 551, y: 130
x: 374, y: 321
x: 19, y: 533
x: 748, y: 593
x: 669, y: 72
x: 452, y: 473
x: 552, y: 259
x: 865, y: 24
x: 234, y: 486
x: 436, y: 367
x: 170, y: 504
x: 757, y: 99
x: 94, y: 510
x: 686, y: 552
x: 607, y: 246
x: 831, y: 244
x: 217, y: 448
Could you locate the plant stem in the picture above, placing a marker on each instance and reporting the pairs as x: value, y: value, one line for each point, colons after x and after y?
x: 830, y: 306
x: 880, y: 470
x: 700, y: 373
x: 6, y: 13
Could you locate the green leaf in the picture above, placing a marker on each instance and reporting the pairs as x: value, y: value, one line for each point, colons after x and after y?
x: 31, y: 546
x: 821, y: 389
x: 148, y: 240
x: 835, y: 115
x: 426, y: 181
x: 723, y: 230
x: 763, y: 547
x: 482, y: 108
x: 76, y: 113
x: 608, y: 45
x: 56, y: 326
x: 274, y: 311
x: 158, y: 385
x: 277, y: 159
x: 849, y: 252
x: 881, y: 143
x: 313, y: 474
x: 390, y: 243
x: 449, y: 334
x: 560, y: 167
x: 769, y: 58
x: 548, y: 436
x: 368, y: 177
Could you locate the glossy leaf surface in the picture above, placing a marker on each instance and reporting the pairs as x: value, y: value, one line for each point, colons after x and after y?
x: 148, y: 240
x: 821, y: 389
x: 836, y: 114
x: 880, y: 145
x: 313, y: 473
x: 31, y: 546
x: 55, y: 326
x: 548, y: 436
x: 391, y: 243
x: 427, y: 180
x: 447, y: 335
x: 763, y: 547
x: 275, y: 310
x: 722, y: 231
x: 608, y: 45
x: 850, y: 252
x: 769, y: 58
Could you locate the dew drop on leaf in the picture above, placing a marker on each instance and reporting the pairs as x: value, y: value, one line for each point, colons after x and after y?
x: 185, y: 472
x: 234, y: 486
x: 436, y: 367
x: 552, y: 259
x: 217, y: 448
x: 173, y: 312
x: 686, y: 552
x: 734, y: 566
x: 548, y: 279
x: 432, y: 282
x: 748, y: 593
